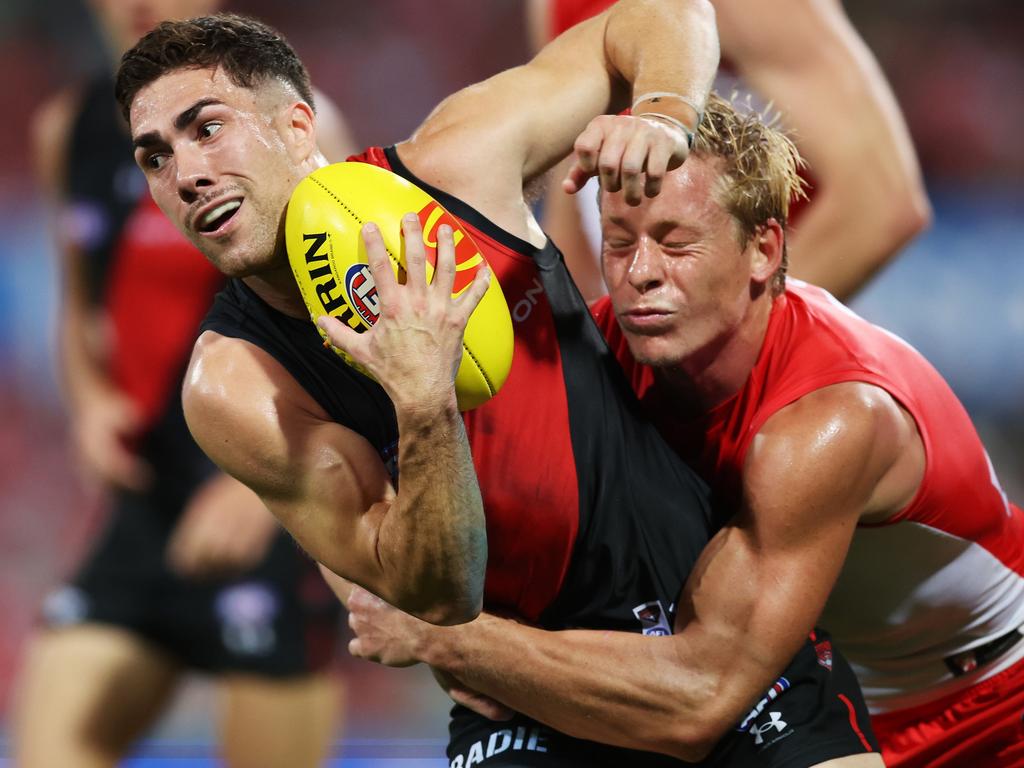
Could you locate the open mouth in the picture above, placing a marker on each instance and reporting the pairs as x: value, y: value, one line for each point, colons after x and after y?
x: 218, y: 216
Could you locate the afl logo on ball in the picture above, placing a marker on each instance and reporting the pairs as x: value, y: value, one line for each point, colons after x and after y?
x: 362, y: 293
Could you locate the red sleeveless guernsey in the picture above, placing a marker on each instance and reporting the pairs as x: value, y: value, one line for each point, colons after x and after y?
x: 944, y: 575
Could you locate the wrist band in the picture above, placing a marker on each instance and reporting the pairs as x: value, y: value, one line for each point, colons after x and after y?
x: 688, y: 132
x: 656, y: 96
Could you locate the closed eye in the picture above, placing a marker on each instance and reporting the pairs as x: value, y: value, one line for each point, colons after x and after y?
x: 677, y: 249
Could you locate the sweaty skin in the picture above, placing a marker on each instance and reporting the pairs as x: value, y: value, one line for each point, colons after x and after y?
x: 209, y: 146
x: 805, y: 58
x: 695, y: 304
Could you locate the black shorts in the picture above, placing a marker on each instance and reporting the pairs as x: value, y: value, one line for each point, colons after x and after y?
x: 279, y: 619
x: 814, y: 713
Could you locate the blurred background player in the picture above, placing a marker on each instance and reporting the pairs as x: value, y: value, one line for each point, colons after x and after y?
x: 191, y: 572
x: 953, y: 293
x: 805, y: 58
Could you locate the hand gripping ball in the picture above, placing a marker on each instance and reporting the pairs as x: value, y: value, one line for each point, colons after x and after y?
x: 322, y: 232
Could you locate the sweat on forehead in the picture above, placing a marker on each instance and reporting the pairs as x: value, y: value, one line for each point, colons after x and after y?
x: 178, y: 99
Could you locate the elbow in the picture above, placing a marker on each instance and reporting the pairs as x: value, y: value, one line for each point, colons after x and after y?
x: 696, y: 729
x: 908, y: 213
x: 693, y: 740
x: 917, y: 214
x: 897, y: 216
x: 904, y: 219
x: 446, y: 596
x: 439, y: 582
x: 447, y: 613
x: 442, y: 602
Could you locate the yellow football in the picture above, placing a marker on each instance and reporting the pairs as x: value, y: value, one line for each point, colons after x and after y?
x: 325, y: 215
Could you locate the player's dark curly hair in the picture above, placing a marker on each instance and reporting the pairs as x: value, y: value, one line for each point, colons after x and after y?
x: 249, y: 51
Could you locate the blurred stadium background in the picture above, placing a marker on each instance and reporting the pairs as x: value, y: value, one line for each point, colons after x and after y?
x: 957, y: 293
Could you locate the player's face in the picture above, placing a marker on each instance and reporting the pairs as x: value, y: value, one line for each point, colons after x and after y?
x: 221, y: 162
x: 678, y: 277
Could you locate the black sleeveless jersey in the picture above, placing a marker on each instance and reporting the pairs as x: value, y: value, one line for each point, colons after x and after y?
x: 592, y: 520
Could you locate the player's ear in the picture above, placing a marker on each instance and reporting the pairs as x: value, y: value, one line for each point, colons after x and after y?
x: 765, y: 251
x: 300, y: 130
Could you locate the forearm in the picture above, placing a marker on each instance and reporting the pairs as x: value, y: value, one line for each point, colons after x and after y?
x: 82, y: 374
x: 660, y: 46
x: 433, y: 537
x: 869, y: 197
x: 840, y: 252
x: 677, y: 694
x: 649, y: 693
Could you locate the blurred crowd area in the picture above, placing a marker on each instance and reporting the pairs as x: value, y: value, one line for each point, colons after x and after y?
x: 957, y: 293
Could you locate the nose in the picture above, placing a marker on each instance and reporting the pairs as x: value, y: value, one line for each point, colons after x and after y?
x: 645, y: 270
x: 194, y: 173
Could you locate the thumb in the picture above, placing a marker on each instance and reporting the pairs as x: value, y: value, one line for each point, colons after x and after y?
x: 349, y: 341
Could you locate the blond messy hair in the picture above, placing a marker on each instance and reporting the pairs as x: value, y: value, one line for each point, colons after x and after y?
x: 760, y: 168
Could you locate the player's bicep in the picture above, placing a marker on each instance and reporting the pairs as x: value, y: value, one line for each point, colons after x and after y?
x: 812, y: 470
x: 325, y: 484
x: 567, y: 83
x: 810, y: 474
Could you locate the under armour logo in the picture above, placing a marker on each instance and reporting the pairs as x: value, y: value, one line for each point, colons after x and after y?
x: 776, y: 722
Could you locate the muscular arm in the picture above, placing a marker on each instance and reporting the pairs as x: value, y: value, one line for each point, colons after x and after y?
x: 806, y: 58
x: 535, y: 112
x: 869, y: 201
x: 422, y: 549
x: 816, y: 467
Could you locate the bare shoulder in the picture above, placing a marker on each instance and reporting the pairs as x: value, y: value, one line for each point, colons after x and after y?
x: 256, y: 422
x: 242, y: 406
x: 849, y: 445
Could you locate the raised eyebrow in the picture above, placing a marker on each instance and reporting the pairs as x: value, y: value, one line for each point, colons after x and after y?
x: 186, y: 118
x: 181, y: 122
